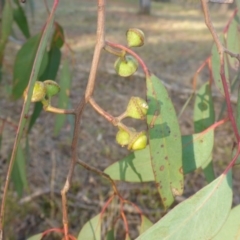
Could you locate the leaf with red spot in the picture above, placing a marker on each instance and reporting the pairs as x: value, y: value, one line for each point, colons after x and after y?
x: 165, y: 143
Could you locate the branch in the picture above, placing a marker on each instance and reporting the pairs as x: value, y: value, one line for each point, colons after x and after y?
x: 79, y: 110
x: 221, y: 50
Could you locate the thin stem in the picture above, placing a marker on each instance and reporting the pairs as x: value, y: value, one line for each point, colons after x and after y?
x: 128, y: 50
x: 59, y: 110
x: 106, y: 176
x: 25, y: 109
x: 103, y: 113
x: 79, y: 110
x: 98, y: 48
x: 114, y: 51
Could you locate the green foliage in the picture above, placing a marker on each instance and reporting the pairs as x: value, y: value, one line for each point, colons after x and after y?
x: 19, y: 175
x: 164, y: 135
x: 215, y: 60
x: 21, y: 19
x: 199, y: 217
x: 63, y: 101
x: 137, y: 167
x: 5, y: 29
x: 91, y: 230
x: 25, y: 57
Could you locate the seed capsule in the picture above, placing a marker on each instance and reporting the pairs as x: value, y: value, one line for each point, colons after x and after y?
x: 137, y: 108
x: 122, y: 137
x: 39, y: 92
x: 135, y: 37
x: 127, y: 67
x: 137, y: 142
x: 52, y: 88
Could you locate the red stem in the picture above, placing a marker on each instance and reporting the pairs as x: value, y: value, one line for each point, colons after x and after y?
x: 116, y: 45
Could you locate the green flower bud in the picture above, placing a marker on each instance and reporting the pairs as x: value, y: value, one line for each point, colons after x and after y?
x: 138, y: 141
x: 39, y: 92
x: 135, y: 37
x: 127, y: 67
x: 52, y: 88
x: 122, y: 137
x: 137, y: 108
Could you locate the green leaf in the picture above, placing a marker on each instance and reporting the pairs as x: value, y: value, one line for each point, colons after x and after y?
x: 49, y: 73
x: 110, y: 235
x: 197, y: 149
x: 24, y: 63
x: 199, y: 217
x: 54, y: 59
x: 63, y: 101
x: 36, y: 113
x: 164, y: 142
x: 7, y: 20
x: 233, y: 39
x: 19, y: 175
x: 36, y: 237
x: 215, y: 60
x: 238, y: 111
x: 204, y: 117
x: 145, y: 224
x: 136, y: 167
x: 58, y: 36
x: 230, y: 229
x: 91, y: 230
x: 21, y: 20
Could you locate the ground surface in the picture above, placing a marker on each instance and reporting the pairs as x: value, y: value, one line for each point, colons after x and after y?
x: 177, y: 42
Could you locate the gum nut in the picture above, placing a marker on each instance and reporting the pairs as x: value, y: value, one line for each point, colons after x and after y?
x: 126, y: 68
x: 140, y: 143
x: 122, y: 138
x: 135, y: 37
x: 137, y: 108
x: 52, y: 88
x: 39, y: 92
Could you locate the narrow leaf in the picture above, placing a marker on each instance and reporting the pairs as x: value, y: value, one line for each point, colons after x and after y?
x: 110, y: 235
x: 7, y: 20
x: 21, y: 20
x: 19, y: 176
x: 238, y: 111
x: 58, y: 36
x: 49, y: 73
x: 136, y: 167
x: 54, y: 59
x: 164, y: 142
x: 36, y: 237
x: 230, y: 229
x: 24, y: 63
x: 233, y: 39
x: 215, y: 60
x: 145, y: 224
x: 199, y: 217
x: 65, y: 83
x: 204, y: 117
x: 91, y: 230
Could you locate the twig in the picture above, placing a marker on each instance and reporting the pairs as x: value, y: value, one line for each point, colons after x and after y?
x: 221, y: 50
x: 98, y: 48
x: 128, y: 50
x: 79, y: 110
x: 93, y: 169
